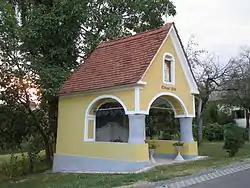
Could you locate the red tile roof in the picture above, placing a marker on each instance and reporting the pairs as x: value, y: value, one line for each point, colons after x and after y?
x: 117, y: 62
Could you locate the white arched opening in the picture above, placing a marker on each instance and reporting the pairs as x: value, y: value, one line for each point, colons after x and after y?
x: 90, y: 119
x: 180, y: 112
x: 185, y: 112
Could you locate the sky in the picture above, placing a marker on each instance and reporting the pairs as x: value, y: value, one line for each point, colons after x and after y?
x: 219, y: 26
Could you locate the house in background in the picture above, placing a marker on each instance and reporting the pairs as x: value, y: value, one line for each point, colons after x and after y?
x: 239, y: 116
x: 126, y: 76
x: 237, y: 113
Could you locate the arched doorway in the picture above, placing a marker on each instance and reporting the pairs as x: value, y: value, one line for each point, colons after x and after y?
x: 161, y: 122
x: 106, y: 120
x: 182, y: 122
x: 174, y: 101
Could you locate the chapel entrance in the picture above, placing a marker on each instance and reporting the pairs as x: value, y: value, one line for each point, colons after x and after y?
x: 168, y: 118
x: 161, y: 122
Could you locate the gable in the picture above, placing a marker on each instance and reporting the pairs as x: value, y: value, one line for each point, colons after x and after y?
x: 182, y: 87
x: 172, y: 46
x: 154, y: 75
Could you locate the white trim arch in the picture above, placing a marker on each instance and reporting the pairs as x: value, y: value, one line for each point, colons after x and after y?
x: 104, y: 102
x: 89, y: 116
x: 105, y: 97
x: 172, y: 95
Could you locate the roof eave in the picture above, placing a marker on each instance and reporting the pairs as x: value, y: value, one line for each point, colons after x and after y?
x: 108, y: 89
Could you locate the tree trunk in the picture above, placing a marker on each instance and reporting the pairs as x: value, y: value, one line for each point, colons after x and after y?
x: 53, y: 114
x: 200, y: 130
x: 199, y: 122
x: 247, y: 124
x: 31, y: 162
x: 45, y: 136
x: 48, y: 153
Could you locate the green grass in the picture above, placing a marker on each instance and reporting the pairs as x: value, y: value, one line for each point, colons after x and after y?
x: 214, y: 150
x: 3, y: 158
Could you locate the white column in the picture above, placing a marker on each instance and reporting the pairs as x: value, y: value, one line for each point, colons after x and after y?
x: 186, y: 129
x: 136, y: 129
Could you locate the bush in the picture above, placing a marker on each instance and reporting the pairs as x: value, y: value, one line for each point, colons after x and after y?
x: 16, y: 166
x: 169, y: 135
x: 195, y: 131
x: 165, y: 136
x: 176, y: 136
x: 234, y: 139
x: 214, y: 132
x: 20, y: 164
x: 224, y: 118
x: 33, y: 146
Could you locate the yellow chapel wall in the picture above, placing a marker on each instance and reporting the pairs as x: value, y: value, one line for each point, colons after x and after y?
x: 154, y: 79
x: 71, y: 122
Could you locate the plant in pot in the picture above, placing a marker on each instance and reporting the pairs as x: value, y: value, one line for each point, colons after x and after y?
x: 178, y: 146
x: 152, y: 146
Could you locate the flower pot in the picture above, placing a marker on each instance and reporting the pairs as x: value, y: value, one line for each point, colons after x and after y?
x: 151, y: 155
x: 179, y: 157
x: 178, y: 148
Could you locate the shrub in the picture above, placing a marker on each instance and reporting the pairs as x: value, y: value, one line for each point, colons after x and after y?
x: 176, y: 136
x: 21, y: 164
x: 214, y: 132
x: 165, y: 136
x: 32, y: 145
x: 16, y: 166
x: 170, y: 135
x: 224, y: 118
x: 234, y: 139
x: 195, y: 131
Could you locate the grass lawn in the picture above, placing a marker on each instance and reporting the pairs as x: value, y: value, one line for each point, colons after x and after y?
x: 4, y: 158
x: 214, y: 150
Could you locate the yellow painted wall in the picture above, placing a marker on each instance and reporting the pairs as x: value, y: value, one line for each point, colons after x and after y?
x: 91, y: 129
x: 119, y: 151
x: 70, y: 139
x: 154, y: 79
x: 166, y: 147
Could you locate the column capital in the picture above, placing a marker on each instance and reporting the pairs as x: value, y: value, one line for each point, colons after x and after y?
x: 136, y: 115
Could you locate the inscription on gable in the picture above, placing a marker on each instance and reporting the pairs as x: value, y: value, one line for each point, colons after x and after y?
x: 168, y: 88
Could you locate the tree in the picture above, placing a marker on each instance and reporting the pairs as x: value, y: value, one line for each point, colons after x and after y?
x: 239, y: 84
x: 209, y: 76
x: 53, y: 35
x: 17, y: 119
x: 11, y: 77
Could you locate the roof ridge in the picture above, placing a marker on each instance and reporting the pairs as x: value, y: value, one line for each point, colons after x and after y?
x: 136, y: 36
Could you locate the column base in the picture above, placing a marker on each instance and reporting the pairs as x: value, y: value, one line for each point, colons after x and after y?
x: 173, y: 156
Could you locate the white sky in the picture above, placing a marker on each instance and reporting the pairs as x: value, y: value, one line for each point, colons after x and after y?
x: 219, y: 26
